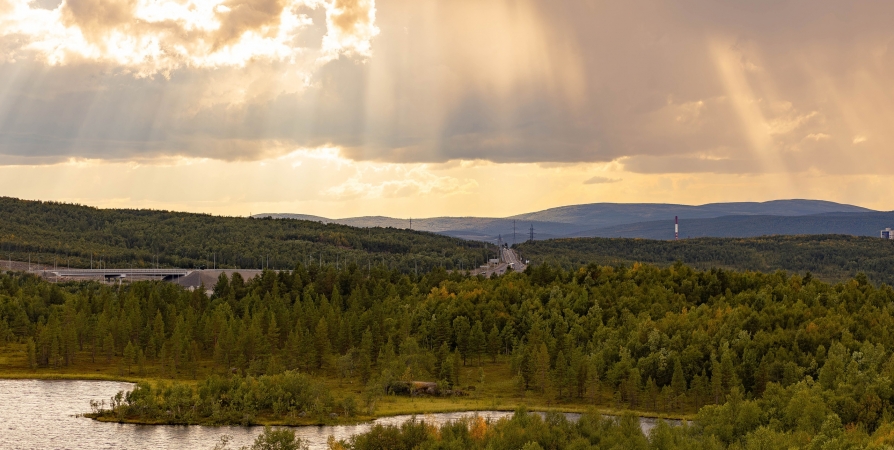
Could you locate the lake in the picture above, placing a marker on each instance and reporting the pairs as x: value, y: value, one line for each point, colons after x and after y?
x: 41, y: 414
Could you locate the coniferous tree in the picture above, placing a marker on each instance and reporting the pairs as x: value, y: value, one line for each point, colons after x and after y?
x: 130, y: 356
x: 493, y: 343
x: 321, y: 342
x: 108, y: 346
x: 678, y: 382
x: 560, y: 375
x: 157, y: 338
x: 364, y: 358
x: 461, y: 330
x: 456, y: 366
x: 32, y: 353
x: 540, y: 368
x: 652, y: 394
x: 477, y: 342
x: 443, y: 363
x: 633, y: 387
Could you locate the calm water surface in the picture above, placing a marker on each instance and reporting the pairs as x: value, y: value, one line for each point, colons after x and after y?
x: 37, y: 414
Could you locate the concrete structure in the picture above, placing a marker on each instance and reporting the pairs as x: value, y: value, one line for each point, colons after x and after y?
x: 189, y: 278
x: 887, y: 233
x: 208, y: 277
x: 109, y: 274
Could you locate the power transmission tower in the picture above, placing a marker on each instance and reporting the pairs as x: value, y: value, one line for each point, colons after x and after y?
x: 531, y: 236
x: 513, y: 233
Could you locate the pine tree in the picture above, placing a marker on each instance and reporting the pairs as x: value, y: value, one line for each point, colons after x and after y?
x: 700, y: 389
x: 448, y: 371
x: 729, y: 378
x: 456, y: 363
x: 540, y: 368
x: 477, y: 342
x: 461, y: 330
x: 222, y: 288
x: 364, y: 359
x: 273, y: 338
x: 108, y: 347
x: 493, y: 343
x: 593, y: 381
x: 130, y: 356
x: 387, y: 359
x: 69, y: 343
x: 678, y: 382
x: 336, y: 300
x: 716, y: 380
x: 163, y: 359
x: 192, y: 359
x: 141, y: 362
x: 578, y: 368
x: 560, y: 374
x: 292, y: 351
x: 157, y: 338
x: 32, y: 353
x: 634, y: 386
x: 443, y: 368
x: 652, y: 393
x: 322, y: 344
x: 308, y: 354
x: 668, y: 398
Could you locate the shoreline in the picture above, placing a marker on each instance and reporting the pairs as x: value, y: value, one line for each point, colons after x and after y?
x: 413, y: 406
x: 358, y: 420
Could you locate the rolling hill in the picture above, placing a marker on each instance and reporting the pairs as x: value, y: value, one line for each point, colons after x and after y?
x: 49, y: 232
x: 830, y: 257
x: 854, y: 224
x: 601, y: 219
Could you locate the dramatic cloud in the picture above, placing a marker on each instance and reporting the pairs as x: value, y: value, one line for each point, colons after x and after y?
x: 146, y: 37
x: 654, y: 87
x: 351, y: 25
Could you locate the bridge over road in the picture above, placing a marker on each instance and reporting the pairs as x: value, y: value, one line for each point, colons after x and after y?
x: 108, y: 274
x: 188, y: 278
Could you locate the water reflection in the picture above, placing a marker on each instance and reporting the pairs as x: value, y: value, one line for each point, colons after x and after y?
x: 39, y: 414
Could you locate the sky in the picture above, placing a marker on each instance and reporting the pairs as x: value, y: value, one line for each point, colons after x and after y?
x: 419, y: 108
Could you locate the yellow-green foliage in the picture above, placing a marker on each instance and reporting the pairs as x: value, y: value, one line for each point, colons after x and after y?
x: 668, y: 340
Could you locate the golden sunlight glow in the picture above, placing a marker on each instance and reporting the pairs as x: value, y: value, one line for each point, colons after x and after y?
x: 321, y: 181
x: 157, y: 36
x: 465, y: 108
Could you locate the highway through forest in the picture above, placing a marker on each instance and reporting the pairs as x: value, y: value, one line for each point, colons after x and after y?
x: 510, y: 257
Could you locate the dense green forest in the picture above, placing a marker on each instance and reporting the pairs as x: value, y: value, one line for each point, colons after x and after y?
x: 831, y: 258
x: 782, y: 356
x: 785, y: 419
x: 65, y: 234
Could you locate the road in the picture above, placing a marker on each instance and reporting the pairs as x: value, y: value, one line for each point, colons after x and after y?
x: 509, y: 257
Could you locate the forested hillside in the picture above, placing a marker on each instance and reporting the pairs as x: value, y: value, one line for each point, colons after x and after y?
x: 71, y: 234
x: 788, y: 357
x: 646, y: 220
x: 853, y: 224
x: 828, y: 257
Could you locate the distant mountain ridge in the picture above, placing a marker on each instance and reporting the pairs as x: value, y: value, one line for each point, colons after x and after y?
x: 854, y: 224
x: 646, y: 220
x: 609, y: 214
